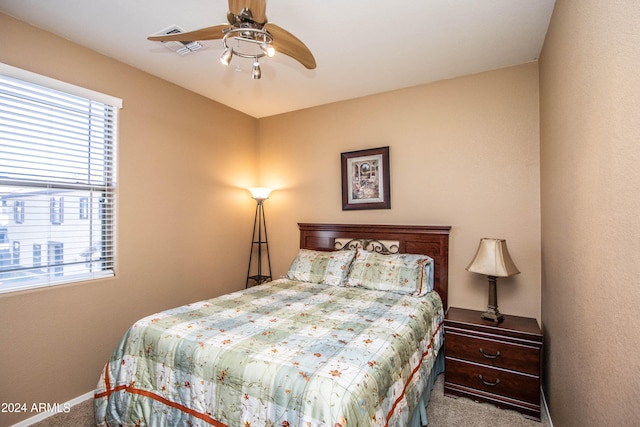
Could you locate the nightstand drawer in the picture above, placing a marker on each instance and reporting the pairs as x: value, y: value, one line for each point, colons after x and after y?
x: 497, y: 381
x: 492, y: 352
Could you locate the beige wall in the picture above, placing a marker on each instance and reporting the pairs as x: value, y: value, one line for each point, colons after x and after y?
x: 464, y: 152
x: 183, y: 217
x: 590, y: 153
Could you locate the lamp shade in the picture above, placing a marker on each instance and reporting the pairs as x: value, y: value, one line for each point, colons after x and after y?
x: 493, y: 259
x: 260, y: 193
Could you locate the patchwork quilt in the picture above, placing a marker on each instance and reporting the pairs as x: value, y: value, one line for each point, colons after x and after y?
x: 284, y: 353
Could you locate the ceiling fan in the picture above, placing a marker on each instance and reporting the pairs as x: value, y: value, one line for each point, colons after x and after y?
x: 248, y: 35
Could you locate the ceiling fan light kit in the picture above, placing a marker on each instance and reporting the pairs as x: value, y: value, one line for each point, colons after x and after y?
x: 254, y: 37
x: 245, y: 38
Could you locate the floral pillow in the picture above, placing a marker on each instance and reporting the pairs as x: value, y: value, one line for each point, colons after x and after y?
x: 401, y: 273
x: 329, y: 268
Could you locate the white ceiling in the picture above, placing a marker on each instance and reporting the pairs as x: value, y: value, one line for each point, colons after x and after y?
x: 362, y: 47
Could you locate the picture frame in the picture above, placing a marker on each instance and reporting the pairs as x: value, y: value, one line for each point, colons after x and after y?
x: 366, y: 180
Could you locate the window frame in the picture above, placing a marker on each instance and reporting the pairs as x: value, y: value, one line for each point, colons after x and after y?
x: 97, y: 194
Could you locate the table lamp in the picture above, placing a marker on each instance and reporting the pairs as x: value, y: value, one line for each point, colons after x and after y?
x: 493, y: 260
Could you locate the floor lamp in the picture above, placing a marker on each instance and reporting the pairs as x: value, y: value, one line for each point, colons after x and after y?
x: 257, y: 240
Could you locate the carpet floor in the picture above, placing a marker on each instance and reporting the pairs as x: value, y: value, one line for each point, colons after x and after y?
x: 442, y: 411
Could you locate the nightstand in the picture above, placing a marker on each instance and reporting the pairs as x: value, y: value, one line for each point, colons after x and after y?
x: 495, y: 363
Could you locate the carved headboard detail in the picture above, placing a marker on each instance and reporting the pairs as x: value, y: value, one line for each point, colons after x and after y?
x: 413, y: 239
x: 385, y: 247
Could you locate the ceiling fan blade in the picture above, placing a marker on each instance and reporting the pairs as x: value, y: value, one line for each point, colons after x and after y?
x: 258, y: 9
x: 209, y: 33
x: 288, y: 44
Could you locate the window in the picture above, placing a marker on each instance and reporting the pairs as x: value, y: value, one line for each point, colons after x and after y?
x: 57, y: 183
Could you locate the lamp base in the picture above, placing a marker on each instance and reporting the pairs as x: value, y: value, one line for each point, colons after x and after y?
x: 493, y: 314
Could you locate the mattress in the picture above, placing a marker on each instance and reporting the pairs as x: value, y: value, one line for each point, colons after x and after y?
x: 284, y: 353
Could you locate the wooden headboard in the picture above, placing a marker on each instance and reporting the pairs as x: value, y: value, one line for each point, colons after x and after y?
x: 412, y: 239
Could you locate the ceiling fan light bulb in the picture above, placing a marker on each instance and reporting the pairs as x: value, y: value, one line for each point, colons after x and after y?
x: 226, y: 56
x: 268, y: 49
x: 256, y: 73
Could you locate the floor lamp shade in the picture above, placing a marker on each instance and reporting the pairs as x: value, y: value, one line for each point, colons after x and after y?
x: 493, y: 260
x: 260, y: 193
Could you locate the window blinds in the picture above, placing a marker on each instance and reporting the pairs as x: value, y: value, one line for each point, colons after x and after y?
x: 57, y: 186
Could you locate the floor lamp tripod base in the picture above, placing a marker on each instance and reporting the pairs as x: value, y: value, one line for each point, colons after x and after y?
x: 492, y: 313
x: 260, y: 245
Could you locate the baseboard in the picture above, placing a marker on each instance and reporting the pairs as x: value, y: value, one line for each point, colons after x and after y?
x: 49, y: 413
x: 545, y: 408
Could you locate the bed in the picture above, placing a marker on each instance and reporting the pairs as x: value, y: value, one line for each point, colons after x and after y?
x: 352, y: 336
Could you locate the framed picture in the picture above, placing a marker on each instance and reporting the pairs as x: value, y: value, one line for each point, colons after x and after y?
x: 365, y: 179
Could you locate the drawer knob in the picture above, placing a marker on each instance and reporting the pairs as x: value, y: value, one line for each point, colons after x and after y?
x: 489, y: 383
x: 489, y: 356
